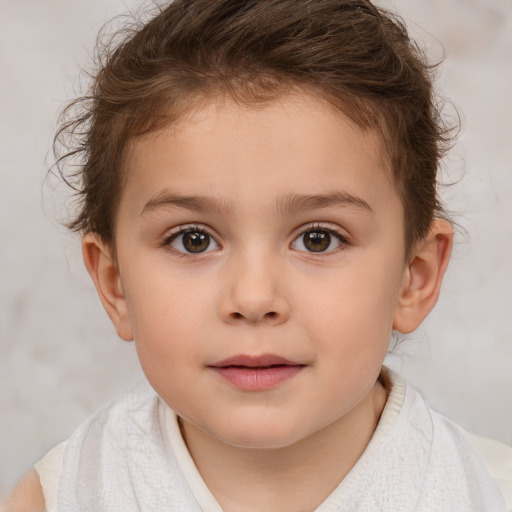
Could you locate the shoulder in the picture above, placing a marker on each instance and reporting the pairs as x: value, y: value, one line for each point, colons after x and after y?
x: 49, y: 469
x: 498, y: 460
x: 27, y: 496
x: 117, y: 460
x: 453, y: 467
x: 108, y: 424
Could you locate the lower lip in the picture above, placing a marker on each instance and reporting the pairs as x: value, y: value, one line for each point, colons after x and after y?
x: 257, y: 379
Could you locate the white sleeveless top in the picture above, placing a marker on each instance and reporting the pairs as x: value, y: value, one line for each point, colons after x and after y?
x: 130, y: 456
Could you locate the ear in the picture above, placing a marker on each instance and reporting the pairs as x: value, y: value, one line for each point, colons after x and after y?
x: 104, y: 272
x: 423, y: 277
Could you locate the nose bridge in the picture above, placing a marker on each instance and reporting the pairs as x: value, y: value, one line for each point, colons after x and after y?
x: 255, y: 291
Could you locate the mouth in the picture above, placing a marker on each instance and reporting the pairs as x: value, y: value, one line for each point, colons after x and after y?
x: 256, y: 373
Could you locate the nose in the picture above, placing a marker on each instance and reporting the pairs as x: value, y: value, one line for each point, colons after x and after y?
x: 254, y: 293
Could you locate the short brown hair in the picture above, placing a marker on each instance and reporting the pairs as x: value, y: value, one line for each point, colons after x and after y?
x: 350, y: 53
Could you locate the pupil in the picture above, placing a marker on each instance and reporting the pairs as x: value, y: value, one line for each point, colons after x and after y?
x: 317, y: 241
x: 195, y: 241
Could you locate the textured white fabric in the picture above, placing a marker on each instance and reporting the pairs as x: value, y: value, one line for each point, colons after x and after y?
x: 203, y: 496
x: 498, y: 459
x: 130, y: 456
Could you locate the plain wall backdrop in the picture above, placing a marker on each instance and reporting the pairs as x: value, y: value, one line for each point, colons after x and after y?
x: 61, y: 359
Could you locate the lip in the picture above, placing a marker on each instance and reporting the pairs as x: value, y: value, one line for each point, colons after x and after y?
x: 256, y: 373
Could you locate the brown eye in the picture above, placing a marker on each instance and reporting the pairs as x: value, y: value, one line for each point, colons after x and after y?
x: 196, y: 241
x: 193, y: 241
x: 317, y: 240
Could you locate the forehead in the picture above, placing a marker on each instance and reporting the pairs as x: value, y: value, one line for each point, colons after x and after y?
x: 253, y: 156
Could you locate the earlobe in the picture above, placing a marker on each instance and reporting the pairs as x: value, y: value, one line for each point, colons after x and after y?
x: 104, y: 272
x: 423, y: 277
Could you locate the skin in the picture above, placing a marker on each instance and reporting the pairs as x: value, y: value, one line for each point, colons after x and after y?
x: 27, y: 496
x: 257, y: 289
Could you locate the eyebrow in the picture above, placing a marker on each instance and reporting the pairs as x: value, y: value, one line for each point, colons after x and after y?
x: 199, y: 204
x: 289, y: 204
x: 294, y: 203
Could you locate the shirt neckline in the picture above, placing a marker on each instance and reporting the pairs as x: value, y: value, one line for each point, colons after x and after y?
x: 205, y: 499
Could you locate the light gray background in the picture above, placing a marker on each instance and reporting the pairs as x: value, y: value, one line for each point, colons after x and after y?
x: 60, y: 358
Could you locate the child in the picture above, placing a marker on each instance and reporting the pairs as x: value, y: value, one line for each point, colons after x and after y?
x: 259, y: 213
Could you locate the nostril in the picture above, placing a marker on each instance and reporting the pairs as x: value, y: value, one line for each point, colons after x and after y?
x: 238, y: 316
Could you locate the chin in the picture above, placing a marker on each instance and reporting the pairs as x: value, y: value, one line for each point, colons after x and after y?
x: 263, y: 437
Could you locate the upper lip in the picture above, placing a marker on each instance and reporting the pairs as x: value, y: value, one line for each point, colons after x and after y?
x: 264, y: 360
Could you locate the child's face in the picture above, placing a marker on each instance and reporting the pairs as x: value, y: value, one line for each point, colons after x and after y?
x: 273, y: 233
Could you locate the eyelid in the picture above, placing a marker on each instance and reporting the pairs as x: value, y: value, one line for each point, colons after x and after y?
x: 192, y: 226
x: 323, y: 226
x: 342, y: 237
x: 175, y: 232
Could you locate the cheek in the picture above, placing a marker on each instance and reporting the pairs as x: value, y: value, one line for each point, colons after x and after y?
x: 354, y: 311
x: 166, y: 339
x: 166, y: 314
x: 160, y: 293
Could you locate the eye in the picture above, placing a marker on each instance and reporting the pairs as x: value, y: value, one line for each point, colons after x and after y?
x: 318, y: 240
x: 192, y: 241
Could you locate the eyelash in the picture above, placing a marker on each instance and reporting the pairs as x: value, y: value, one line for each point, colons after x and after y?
x: 318, y: 227
x: 298, y: 236
x: 181, y: 230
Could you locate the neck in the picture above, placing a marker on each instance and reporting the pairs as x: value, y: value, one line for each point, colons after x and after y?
x: 296, y: 477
